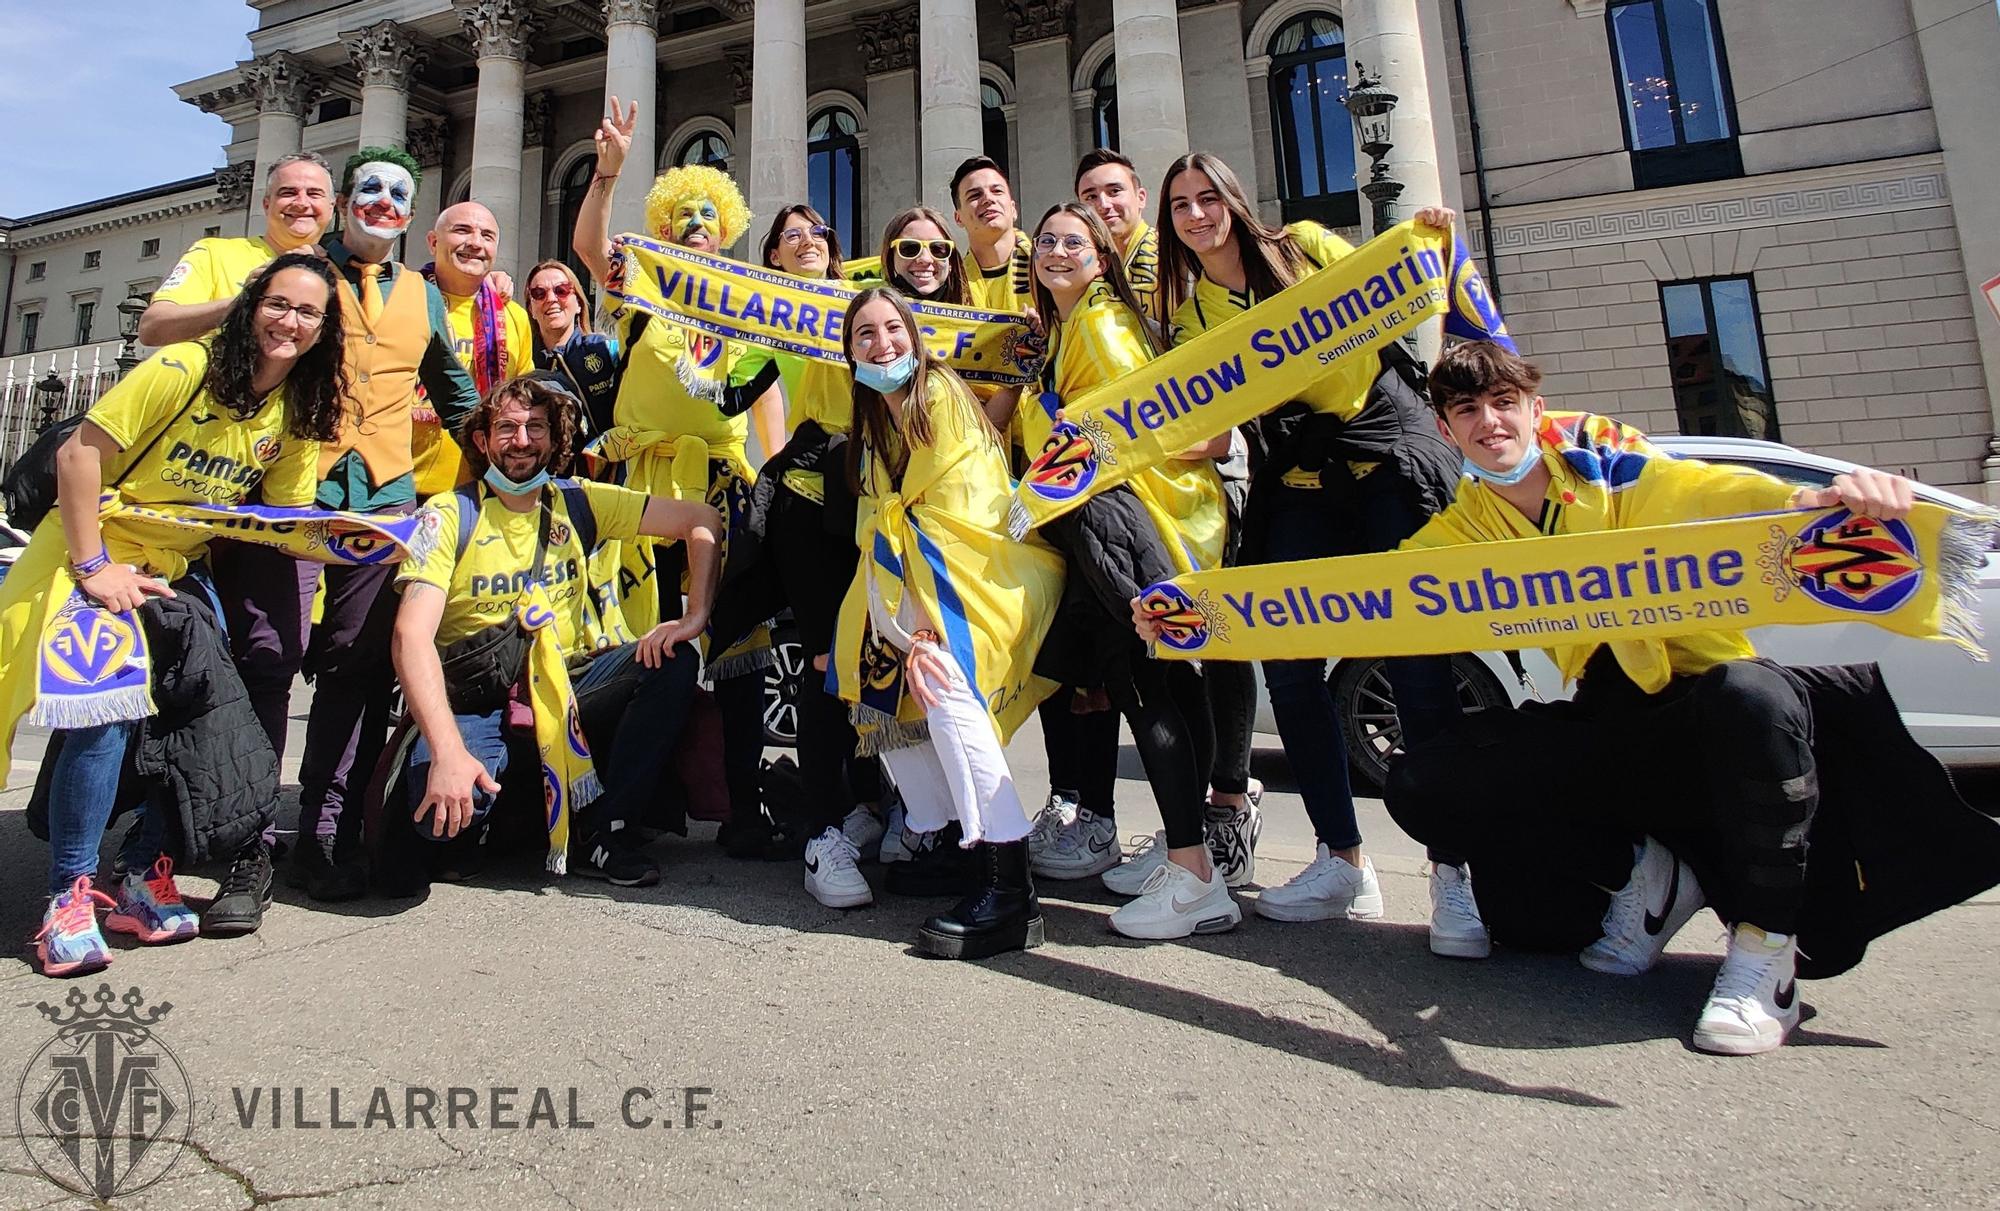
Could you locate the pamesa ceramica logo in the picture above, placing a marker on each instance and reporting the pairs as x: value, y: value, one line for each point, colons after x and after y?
x: 104, y: 1106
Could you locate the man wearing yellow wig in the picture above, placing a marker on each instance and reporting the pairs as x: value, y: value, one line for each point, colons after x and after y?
x: 679, y: 430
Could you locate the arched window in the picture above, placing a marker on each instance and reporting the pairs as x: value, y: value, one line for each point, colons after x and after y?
x: 575, y: 184
x: 707, y: 147
x: 833, y: 179
x: 1310, y: 123
x: 1104, y: 104
x: 993, y: 124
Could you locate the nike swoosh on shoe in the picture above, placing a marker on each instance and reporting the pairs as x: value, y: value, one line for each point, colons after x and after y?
x: 1654, y: 924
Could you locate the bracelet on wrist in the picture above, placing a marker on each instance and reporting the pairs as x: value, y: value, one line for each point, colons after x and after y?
x: 92, y: 566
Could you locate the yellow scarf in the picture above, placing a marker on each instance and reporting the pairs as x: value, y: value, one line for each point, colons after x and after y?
x: 569, y: 780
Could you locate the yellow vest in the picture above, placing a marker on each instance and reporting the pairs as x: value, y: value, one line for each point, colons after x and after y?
x: 382, y: 361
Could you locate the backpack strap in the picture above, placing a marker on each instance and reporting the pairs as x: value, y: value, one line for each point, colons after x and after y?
x: 468, y: 516
x: 581, y: 516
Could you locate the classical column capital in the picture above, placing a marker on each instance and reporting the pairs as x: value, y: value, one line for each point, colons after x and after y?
x: 281, y: 83
x: 632, y: 12
x: 430, y: 142
x: 499, y: 29
x: 538, y: 119
x: 738, y: 9
x: 385, y: 54
x: 740, y: 75
x: 232, y: 185
x: 888, y: 39
x: 215, y: 100
x: 1035, y: 20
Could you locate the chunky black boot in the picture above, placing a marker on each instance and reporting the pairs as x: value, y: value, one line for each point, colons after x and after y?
x: 1001, y: 913
x: 940, y: 867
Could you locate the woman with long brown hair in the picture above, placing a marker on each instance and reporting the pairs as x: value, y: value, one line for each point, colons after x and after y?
x: 920, y: 258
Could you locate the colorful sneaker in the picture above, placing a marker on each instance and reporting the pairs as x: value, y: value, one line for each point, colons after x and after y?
x: 1176, y: 902
x: 1329, y: 887
x: 1645, y: 914
x: 864, y: 831
x: 1456, y: 928
x: 69, y: 943
x: 1056, y: 814
x: 1129, y: 876
x: 149, y: 907
x: 1087, y: 846
x: 832, y: 877
x: 1232, y: 840
x: 1755, y: 1001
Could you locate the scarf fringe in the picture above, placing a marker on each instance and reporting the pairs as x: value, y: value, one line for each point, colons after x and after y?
x: 1018, y: 520
x: 1962, y: 548
x: 558, y: 863
x: 740, y: 665
x: 878, y: 732
x: 93, y: 710
x: 697, y: 384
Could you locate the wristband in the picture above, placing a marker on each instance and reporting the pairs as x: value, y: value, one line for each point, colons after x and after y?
x: 92, y: 566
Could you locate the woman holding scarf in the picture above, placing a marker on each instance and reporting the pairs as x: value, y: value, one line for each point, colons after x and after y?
x: 933, y: 630
x: 209, y: 421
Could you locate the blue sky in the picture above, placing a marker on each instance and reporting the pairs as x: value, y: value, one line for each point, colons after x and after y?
x: 87, y: 101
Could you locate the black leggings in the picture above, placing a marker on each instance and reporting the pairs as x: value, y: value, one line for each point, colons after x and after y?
x: 1231, y: 686
x: 1167, y: 709
x: 739, y: 700
x: 1082, y: 751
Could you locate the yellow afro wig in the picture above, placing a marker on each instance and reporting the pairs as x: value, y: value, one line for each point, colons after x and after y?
x: 678, y: 185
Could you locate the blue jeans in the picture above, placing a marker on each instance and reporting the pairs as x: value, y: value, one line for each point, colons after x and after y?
x: 1303, y: 527
x: 632, y: 718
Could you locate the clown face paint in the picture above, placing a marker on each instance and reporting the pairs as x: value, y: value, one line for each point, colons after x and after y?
x: 382, y: 198
x: 696, y: 224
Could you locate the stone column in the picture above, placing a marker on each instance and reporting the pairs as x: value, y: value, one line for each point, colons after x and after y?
x: 631, y: 73
x: 537, y: 126
x: 1218, y: 102
x: 777, y: 175
x: 499, y: 30
x: 948, y: 88
x: 385, y: 55
x: 740, y: 75
x: 430, y: 147
x: 889, y: 51
x: 1959, y: 49
x: 1384, y: 36
x: 1257, y: 92
x: 1152, y: 108
x: 284, y: 90
x: 1045, y: 170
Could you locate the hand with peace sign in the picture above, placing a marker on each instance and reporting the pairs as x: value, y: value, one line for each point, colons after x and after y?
x: 614, y: 138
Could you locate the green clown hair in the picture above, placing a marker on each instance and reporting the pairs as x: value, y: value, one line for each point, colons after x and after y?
x: 678, y: 185
x: 383, y: 155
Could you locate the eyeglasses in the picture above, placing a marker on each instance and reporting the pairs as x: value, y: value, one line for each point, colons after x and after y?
x: 535, y: 430
x: 1046, y: 244
x: 558, y: 292
x: 909, y: 250
x: 798, y: 235
x: 275, y: 308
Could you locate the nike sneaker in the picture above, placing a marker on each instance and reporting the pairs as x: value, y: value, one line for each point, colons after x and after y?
x: 1328, y: 887
x: 1056, y: 814
x: 69, y: 943
x: 1456, y: 930
x: 1087, y: 846
x: 1755, y: 1002
x: 1175, y: 902
x: 832, y: 874
x: 1645, y: 914
x: 149, y: 907
x: 863, y: 828
x: 1232, y: 840
x: 1129, y: 876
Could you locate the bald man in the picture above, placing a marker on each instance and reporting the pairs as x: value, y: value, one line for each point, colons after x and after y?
x: 464, y: 244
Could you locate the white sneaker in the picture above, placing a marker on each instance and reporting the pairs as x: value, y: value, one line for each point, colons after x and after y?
x: 864, y: 829
x: 1232, y: 840
x: 1456, y: 930
x: 1755, y: 1001
x: 1148, y: 855
x: 1329, y: 887
x: 831, y: 874
x: 1176, y: 902
x: 1645, y: 914
x: 1056, y: 814
x: 899, y: 844
x: 1084, y: 847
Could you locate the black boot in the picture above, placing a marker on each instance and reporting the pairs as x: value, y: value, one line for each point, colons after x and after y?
x: 1000, y: 915
x: 239, y: 904
x: 941, y: 867
x: 324, y: 872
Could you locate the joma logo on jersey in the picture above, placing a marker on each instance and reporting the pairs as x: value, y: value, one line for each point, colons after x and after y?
x: 193, y: 460
x: 510, y: 583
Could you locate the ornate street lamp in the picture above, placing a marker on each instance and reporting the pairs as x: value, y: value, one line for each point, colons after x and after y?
x: 129, y: 312
x: 1373, y: 108
x: 51, y: 390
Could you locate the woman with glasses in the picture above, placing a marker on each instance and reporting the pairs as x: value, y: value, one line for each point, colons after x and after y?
x: 201, y: 422
x: 586, y: 362
x: 920, y: 259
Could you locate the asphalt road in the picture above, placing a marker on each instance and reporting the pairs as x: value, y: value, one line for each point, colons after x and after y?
x: 1277, y: 1066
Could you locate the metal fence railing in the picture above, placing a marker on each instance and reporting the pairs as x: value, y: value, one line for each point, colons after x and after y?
x: 84, y: 373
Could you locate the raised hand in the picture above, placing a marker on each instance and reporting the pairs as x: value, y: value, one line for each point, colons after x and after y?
x: 614, y: 138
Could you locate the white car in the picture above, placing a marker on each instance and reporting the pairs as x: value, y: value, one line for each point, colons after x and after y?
x: 1950, y: 702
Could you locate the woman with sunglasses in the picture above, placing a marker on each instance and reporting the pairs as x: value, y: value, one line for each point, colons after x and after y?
x: 586, y: 362
x: 920, y: 259
x: 1165, y: 522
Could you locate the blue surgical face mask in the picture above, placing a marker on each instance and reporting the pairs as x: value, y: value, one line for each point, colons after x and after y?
x: 1506, y: 479
x: 500, y: 483
x: 887, y: 378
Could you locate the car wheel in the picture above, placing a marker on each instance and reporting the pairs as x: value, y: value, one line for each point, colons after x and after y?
x: 1366, y: 707
x: 782, y: 683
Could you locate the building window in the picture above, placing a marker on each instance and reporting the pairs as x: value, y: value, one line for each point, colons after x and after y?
x: 37, y: 270
x: 209, y: 233
x: 1680, y: 119
x: 993, y: 125
x: 707, y: 148
x: 31, y: 327
x: 85, y: 312
x: 334, y: 107
x: 1104, y: 104
x: 575, y: 184
x: 1715, y: 346
x: 833, y: 154
x: 148, y: 248
x: 1310, y: 123
x: 92, y: 259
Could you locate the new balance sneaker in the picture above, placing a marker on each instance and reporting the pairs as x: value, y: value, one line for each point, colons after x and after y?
x: 239, y: 904
x: 1328, y: 887
x: 1645, y: 914
x: 1057, y: 813
x: 149, y: 907
x: 863, y: 829
x: 1232, y: 840
x: 1456, y: 930
x: 617, y: 859
x: 69, y: 943
x: 831, y: 874
x: 1175, y: 902
x: 899, y: 844
x: 1755, y: 1001
x: 1086, y: 846
x: 1129, y: 876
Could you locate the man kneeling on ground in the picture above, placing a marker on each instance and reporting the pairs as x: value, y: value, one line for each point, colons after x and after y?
x: 515, y: 531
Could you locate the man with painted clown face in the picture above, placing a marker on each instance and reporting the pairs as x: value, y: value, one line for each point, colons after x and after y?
x: 679, y: 430
x: 398, y: 339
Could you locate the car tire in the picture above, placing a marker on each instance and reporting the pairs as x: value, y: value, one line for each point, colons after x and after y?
x: 783, y: 682
x: 1366, y: 708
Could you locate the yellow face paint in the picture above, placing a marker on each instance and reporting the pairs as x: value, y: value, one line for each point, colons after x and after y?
x: 696, y: 224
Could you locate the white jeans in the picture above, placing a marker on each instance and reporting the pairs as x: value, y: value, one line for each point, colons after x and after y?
x: 960, y: 773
